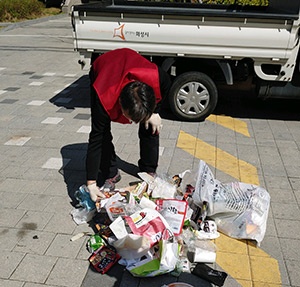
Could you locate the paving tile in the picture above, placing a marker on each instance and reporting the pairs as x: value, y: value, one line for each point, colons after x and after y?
x: 10, y: 217
x: 70, y: 75
x: 63, y: 247
x: 82, y: 116
x: 60, y: 224
x: 57, y: 188
x: 8, y: 101
x: 290, y: 248
x: 64, y: 110
x: 35, y: 186
x: 260, y: 267
x: 292, y: 170
x: 285, y: 210
x: 34, y: 268
x: 224, y: 245
x: 68, y: 272
x: 238, y: 264
x: 59, y: 204
x: 36, y: 103
x: 36, y: 202
x: 28, y: 284
x: 62, y: 100
x: 36, y: 83
x: 11, y: 283
x: 83, y: 253
x: 270, y: 246
x: 36, y: 77
x: 9, y: 261
x: 34, y: 220
x: 49, y: 74
x: 19, y: 141
x: 293, y: 267
x: 52, y: 120
x: 10, y: 199
x: 8, y: 238
x: 12, y: 89
x: 288, y: 228
x: 56, y: 163
x: 84, y: 129
x: 277, y: 182
x: 34, y: 241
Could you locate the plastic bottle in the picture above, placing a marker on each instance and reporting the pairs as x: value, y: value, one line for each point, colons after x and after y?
x: 83, y: 196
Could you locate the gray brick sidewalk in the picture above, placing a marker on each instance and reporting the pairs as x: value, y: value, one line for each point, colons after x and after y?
x: 44, y: 126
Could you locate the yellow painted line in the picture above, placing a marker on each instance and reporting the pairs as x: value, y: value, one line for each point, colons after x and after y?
x: 218, y: 158
x: 247, y: 264
x: 230, y: 123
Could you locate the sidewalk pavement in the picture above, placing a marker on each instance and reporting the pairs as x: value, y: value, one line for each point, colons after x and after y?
x: 45, y: 121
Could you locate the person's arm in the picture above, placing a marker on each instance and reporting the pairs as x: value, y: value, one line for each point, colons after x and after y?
x: 165, y: 85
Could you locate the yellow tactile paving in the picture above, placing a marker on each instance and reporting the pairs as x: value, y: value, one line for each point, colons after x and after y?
x: 235, y: 264
x: 228, y: 244
x: 265, y: 270
x: 230, y: 123
x: 263, y: 284
x: 253, y: 250
x: 218, y: 158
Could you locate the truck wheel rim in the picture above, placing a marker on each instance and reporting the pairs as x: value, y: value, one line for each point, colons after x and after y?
x: 192, y: 98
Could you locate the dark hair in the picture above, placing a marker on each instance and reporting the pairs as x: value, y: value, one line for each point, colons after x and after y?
x: 138, y: 100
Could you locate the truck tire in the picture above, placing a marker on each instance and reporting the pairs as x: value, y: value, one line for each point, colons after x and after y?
x: 193, y: 96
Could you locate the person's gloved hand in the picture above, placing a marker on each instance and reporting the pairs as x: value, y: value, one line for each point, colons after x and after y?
x: 155, y: 121
x: 95, y: 192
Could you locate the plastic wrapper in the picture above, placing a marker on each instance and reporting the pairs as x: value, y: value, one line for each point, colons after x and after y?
x: 149, y: 223
x: 82, y: 215
x: 120, y: 204
x: 159, y: 186
x: 174, y: 211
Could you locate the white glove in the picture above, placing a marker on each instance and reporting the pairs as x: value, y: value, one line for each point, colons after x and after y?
x: 155, y: 121
x: 95, y: 192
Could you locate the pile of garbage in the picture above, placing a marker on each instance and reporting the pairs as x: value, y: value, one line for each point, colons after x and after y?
x: 166, y: 224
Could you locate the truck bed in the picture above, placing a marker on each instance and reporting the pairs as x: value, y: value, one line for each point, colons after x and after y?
x: 275, y: 9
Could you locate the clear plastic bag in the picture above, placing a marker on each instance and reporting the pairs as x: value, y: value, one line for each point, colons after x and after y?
x: 82, y: 215
x: 240, y: 210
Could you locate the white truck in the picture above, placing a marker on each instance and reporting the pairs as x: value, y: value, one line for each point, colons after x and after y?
x: 201, y: 45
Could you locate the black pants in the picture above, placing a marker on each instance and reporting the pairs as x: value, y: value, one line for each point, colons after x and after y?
x: 101, y: 156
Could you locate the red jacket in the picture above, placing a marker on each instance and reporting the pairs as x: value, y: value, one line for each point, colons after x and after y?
x: 113, y: 70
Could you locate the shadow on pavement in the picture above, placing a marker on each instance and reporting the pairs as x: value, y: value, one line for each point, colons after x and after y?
x: 76, y: 95
x: 238, y: 103
x: 73, y: 169
x: 118, y: 276
x: 233, y: 101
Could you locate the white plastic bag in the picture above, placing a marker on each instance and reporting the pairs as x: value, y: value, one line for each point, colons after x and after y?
x: 240, y: 210
x: 82, y: 215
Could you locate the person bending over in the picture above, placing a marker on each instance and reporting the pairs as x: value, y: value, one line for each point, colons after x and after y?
x: 125, y: 88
